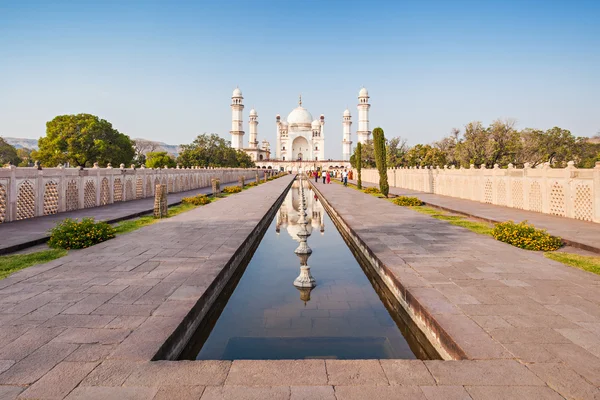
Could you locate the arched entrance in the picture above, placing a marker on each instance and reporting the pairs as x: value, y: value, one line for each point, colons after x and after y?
x: 300, y: 148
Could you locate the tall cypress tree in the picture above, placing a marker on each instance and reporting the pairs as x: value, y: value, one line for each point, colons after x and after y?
x: 380, y: 160
x: 358, y: 160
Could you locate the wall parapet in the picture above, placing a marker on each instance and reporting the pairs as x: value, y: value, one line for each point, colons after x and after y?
x: 27, y: 192
x: 568, y: 192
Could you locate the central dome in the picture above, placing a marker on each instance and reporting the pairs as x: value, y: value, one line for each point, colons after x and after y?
x: 300, y: 117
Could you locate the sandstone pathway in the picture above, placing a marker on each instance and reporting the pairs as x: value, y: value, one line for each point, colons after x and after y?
x: 86, y: 326
x: 578, y: 233
x: 25, y: 233
x: 500, y: 304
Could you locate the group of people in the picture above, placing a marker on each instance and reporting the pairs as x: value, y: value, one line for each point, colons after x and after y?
x: 326, y: 176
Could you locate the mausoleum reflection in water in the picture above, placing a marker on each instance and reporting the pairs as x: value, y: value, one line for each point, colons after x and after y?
x: 337, y: 315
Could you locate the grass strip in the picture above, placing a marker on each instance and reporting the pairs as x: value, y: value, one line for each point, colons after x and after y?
x: 482, y: 228
x: 586, y: 263
x: 14, y: 263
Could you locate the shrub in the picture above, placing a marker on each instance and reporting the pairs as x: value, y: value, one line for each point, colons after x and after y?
x: 74, y: 234
x: 526, y: 236
x: 198, y: 200
x: 371, y: 190
x: 251, y: 184
x: 231, y: 189
x: 407, y: 201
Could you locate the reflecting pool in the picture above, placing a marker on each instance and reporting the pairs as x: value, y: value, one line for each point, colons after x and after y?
x: 274, y: 313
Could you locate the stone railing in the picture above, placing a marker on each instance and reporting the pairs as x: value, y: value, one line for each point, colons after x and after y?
x: 31, y: 192
x: 568, y: 192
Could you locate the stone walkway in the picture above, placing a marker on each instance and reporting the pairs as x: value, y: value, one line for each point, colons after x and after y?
x: 25, y: 233
x: 500, y: 305
x: 87, y: 325
x: 582, y: 234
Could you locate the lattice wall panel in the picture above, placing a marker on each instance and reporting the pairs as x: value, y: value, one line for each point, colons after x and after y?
x: 89, y: 194
x: 25, y: 201
x: 517, y: 194
x: 72, y: 196
x: 557, y: 200
x: 139, y: 188
x: 104, y: 192
x: 50, y: 198
x: 3, y: 203
x: 129, y: 190
x: 583, y: 203
x: 501, y: 193
x: 535, y: 197
x: 149, y: 187
x: 186, y: 185
x: 118, y: 190
x: 171, y: 187
x: 488, y: 192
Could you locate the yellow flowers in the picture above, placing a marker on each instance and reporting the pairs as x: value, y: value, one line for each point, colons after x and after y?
x: 407, y: 201
x: 198, y: 200
x: 526, y: 236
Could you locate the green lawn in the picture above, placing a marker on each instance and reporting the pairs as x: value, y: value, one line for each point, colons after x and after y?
x: 586, y: 263
x: 14, y: 263
x: 131, y: 225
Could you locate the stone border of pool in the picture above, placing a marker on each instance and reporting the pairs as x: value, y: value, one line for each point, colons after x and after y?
x: 443, y: 343
x: 176, y: 343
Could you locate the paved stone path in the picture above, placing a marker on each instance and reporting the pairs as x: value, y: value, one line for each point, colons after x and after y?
x: 577, y: 233
x: 25, y: 233
x: 86, y: 326
x: 502, y: 305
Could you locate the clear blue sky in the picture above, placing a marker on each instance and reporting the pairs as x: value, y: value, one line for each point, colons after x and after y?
x: 165, y: 70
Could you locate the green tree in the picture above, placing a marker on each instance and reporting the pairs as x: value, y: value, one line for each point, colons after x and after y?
x: 368, y: 155
x: 81, y: 140
x: 25, y: 156
x: 212, y: 151
x: 358, y: 158
x: 159, y: 159
x: 380, y: 160
x: 8, y: 154
x: 395, y: 150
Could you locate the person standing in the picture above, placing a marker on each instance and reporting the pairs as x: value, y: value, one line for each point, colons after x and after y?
x: 316, y: 175
x: 324, y: 175
x: 328, y: 178
x: 345, y: 177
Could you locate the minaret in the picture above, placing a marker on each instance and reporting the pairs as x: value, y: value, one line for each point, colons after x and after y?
x: 347, y: 142
x: 322, y: 137
x: 253, y: 144
x: 363, y: 131
x: 237, y: 129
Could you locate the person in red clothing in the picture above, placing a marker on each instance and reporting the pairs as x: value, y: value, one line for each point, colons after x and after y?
x: 328, y: 177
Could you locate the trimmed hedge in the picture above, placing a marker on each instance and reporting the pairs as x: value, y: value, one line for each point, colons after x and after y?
x: 526, y: 236
x: 74, y: 234
x: 407, y: 201
x: 198, y: 200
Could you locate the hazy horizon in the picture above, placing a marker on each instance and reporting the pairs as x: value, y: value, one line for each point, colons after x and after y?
x: 165, y: 72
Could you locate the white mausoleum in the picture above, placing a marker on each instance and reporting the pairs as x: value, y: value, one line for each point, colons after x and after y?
x: 300, y: 138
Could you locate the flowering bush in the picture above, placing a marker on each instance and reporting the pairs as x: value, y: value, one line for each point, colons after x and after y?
x: 407, y: 201
x: 372, y: 190
x: 251, y: 184
x: 75, y: 234
x: 198, y: 200
x: 231, y: 189
x: 526, y: 236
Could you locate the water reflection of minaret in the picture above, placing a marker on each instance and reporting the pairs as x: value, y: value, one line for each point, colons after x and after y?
x: 304, y: 280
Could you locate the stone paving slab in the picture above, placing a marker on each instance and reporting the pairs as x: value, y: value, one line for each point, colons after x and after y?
x: 541, y: 331
x: 17, y: 235
x: 575, y: 232
x: 76, y: 354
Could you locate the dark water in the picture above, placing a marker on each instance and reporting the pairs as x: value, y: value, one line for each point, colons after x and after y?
x: 267, y: 317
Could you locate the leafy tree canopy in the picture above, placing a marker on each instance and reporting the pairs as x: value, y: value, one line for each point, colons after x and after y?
x: 82, y: 140
x: 212, y: 151
x: 8, y: 154
x: 159, y: 159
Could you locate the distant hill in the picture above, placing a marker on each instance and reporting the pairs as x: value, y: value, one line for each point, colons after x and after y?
x: 21, y: 143
x: 32, y: 144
